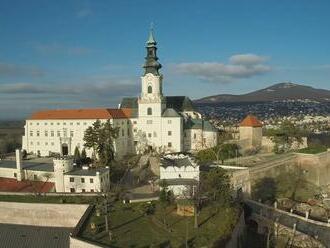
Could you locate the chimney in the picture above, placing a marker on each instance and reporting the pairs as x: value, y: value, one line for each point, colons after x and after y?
x: 19, y: 165
x: 18, y: 159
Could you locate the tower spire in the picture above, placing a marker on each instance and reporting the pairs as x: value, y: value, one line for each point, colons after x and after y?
x: 151, y: 64
x: 151, y: 40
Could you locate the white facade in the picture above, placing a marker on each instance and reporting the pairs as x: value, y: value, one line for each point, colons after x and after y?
x: 89, y: 182
x: 180, y: 173
x: 62, y: 173
x: 62, y: 136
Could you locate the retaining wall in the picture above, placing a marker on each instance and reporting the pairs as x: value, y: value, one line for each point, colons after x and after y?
x: 36, y: 214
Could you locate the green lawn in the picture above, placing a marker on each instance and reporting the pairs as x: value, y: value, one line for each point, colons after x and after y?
x: 48, y: 199
x: 313, y: 149
x: 131, y: 228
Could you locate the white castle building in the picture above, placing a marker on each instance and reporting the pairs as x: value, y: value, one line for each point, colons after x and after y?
x: 61, y: 172
x: 151, y: 121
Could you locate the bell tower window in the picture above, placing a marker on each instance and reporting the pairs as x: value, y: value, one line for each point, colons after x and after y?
x: 149, y: 111
x: 149, y: 89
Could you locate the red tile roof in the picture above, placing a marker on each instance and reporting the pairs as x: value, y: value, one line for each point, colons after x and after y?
x: 250, y: 121
x: 12, y: 185
x: 100, y: 113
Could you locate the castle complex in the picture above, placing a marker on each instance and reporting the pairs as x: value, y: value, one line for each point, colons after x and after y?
x: 151, y: 121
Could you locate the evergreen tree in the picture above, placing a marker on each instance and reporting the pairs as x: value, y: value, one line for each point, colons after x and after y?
x: 101, y: 137
x: 91, y: 137
x: 105, y: 147
x: 77, y: 157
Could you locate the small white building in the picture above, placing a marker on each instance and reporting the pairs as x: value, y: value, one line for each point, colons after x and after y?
x: 61, y: 171
x: 180, y: 173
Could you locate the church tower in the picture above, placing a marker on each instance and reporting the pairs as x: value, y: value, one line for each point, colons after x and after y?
x: 151, y: 101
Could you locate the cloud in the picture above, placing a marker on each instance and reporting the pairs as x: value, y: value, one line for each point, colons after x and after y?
x: 18, y: 88
x: 82, y: 13
x: 56, y: 48
x: 240, y: 66
x: 247, y: 59
x: 105, y: 88
x: 13, y: 70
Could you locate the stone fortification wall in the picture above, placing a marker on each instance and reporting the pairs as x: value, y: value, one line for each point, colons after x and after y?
x: 36, y: 214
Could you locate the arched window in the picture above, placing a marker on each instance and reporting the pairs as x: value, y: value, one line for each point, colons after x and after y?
x: 149, y: 89
x: 149, y: 111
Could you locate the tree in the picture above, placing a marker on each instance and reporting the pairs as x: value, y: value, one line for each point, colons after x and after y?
x: 164, y: 198
x: 265, y: 189
x: 217, y: 153
x: 216, y: 184
x: 83, y: 156
x: 77, y: 157
x: 91, y: 137
x: 284, y: 136
x: 105, y: 146
x: 101, y: 137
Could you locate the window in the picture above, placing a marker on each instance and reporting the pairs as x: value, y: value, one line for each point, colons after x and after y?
x: 45, y: 123
x: 35, y: 178
x: 46, y: 133
x: 92, y: 190
x: 91, y: 180
x: 51, y: 123
x: 149, y: 89
x: 134, y: 122
x: 169, y: 144
x: 149, y: 121
x: 52, y: 143
x: 85, y: 123
x: 149, y: 135
x: 169, y: 121
x: 31, y: 143
x: 38, y: 133
x: 72, y: 190
x: 71, y: 123
x: 31, y: 133
x: 135, y: 142
x: 58, y: 123
x: 155, y: 134
x: 82, y: 180
x: 52, y: 133
x: 64, y: 123
x: 71, y: 133
x: 78, y: 123
x: 83, y: 190
x: 169, y: 133
x: 37, y: 123
x: 58, y: 133
x: 64, y: 133
x: 195, y: 136
x: 135, y: 130
x: 122, y: 132
x: 71, y: 179
x: 149, y: 111
x: 128, y: 133
x: 15, y: 174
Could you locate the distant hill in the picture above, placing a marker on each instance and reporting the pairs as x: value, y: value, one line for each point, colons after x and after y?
x: 277, y: 92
